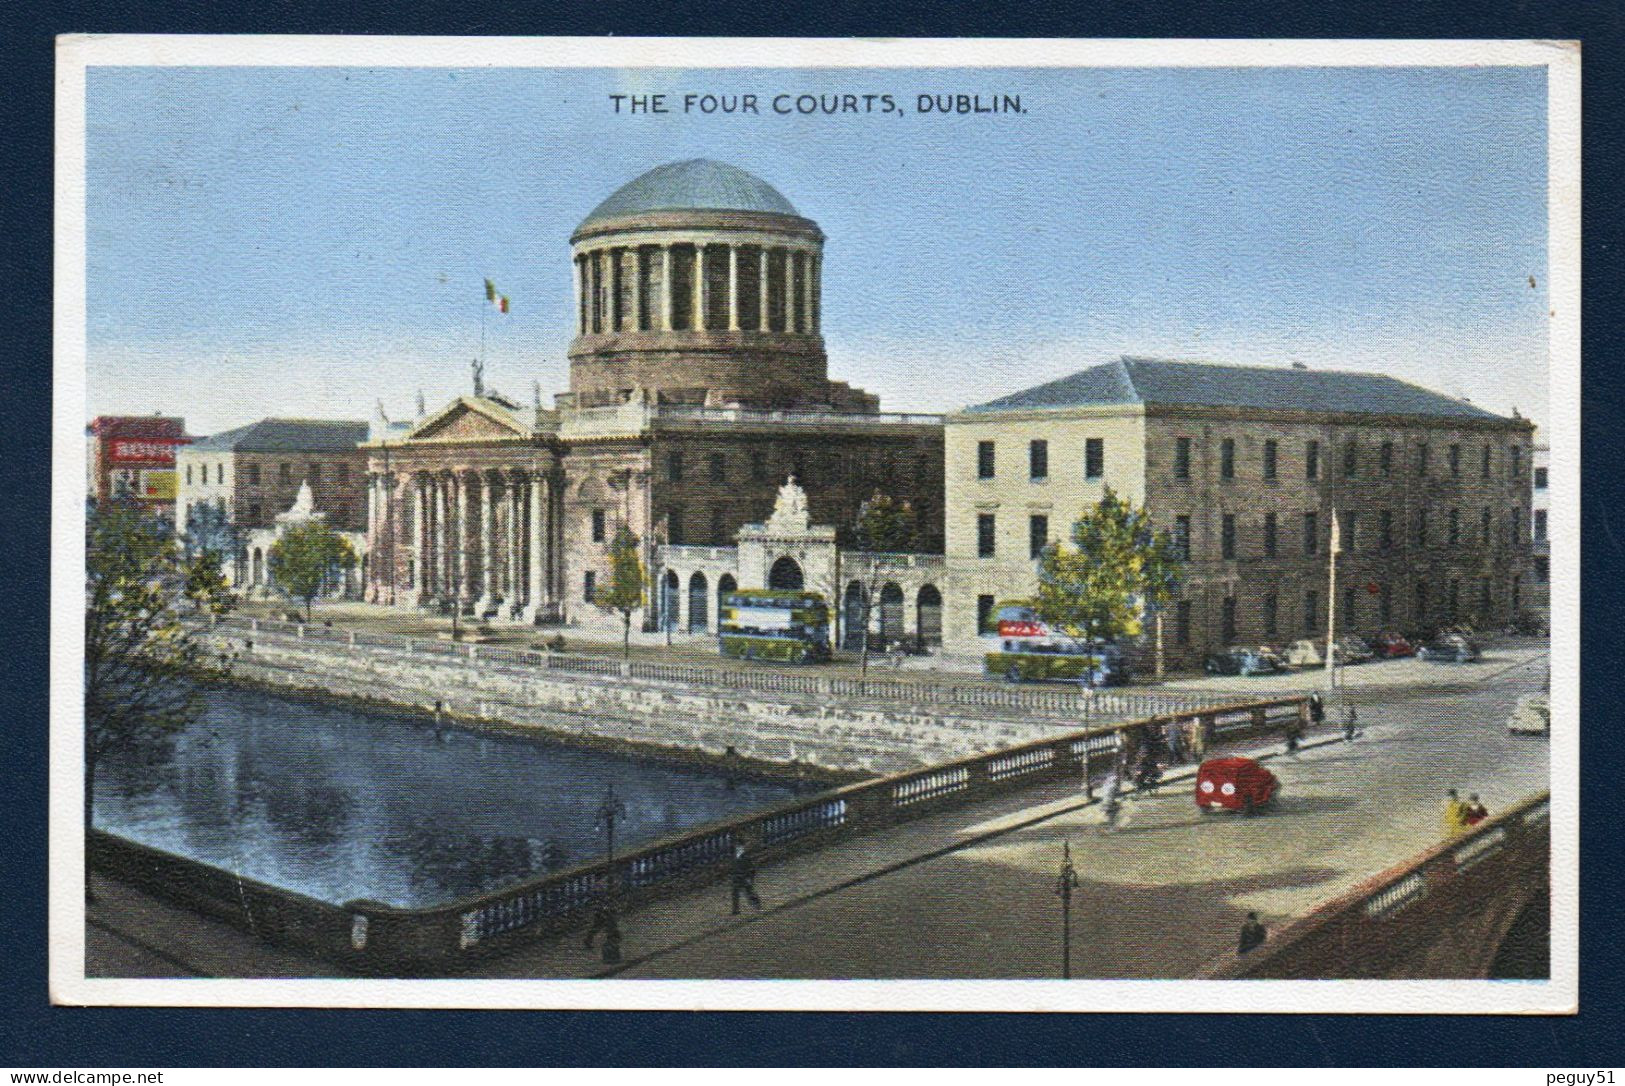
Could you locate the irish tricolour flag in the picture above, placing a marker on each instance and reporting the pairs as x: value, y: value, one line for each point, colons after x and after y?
x: 498, y: 300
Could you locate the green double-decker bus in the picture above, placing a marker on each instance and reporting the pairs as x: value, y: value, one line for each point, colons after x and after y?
x: 768, y: 624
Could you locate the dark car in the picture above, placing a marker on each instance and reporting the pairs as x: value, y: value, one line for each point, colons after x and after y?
x: 1388, y: 644
x: 1241, y: 662
x: 1353, y: 650
x: 1454, y: 649
x: 1235, y: 783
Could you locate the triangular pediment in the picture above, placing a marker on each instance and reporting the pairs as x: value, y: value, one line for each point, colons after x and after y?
x: 469, y: 419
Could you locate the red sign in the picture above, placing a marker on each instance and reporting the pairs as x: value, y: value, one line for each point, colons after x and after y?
x: 1017, y: 628
x: 125, y: 451
x: 1371, y: 587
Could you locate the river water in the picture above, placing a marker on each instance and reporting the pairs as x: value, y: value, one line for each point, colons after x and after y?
x: 344, y: 804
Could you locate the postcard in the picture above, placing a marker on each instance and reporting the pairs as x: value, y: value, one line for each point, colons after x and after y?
x: 814, y: 524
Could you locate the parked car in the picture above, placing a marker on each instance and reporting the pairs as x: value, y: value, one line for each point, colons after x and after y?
x: 1450, y: 649
x: 1235, y: 784
x: 1353, y: 650
x: 1304, y: 653
x: 1533, y: 716
x: 1389, y: 644
x: 1239, y: 661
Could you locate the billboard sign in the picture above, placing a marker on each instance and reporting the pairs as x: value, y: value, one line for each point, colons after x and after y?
x: 125, y: 451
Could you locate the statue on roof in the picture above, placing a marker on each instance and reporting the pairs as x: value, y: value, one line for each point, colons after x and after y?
x: 790, y: 512
x: 479, y: 377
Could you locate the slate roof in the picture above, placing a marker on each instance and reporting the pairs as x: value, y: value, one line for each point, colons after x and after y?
x: 1157, y: 381
x: 694, y: 184
x: 286, y: 435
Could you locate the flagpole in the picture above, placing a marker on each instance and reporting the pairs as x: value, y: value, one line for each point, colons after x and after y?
x: 1331, y: 602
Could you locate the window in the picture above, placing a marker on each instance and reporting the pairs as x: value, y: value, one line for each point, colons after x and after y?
x: 1351, y: 524
x: 314, y: 472
x: 986, y: 538
x: 1483, y: 597
x: 1543, y: 569
x: 589, y: 585
x: 984, y: 459
x: 1351, y: 459
x: 1227, y: 536
x: 719, y: 527
x: 1454, y: 599
x: 1516, y: 465
x: 253, y: 473
x: 1182, y: 536
x: 1038, y: 459
x: 1182, y: 458
x: 1540, y: 478
x: 344, y: 473
x: 1385, y: 605
x: 719, y: 468
x: 1227, y: 458
x: 1484, y: 527
x: 1269, y: 535
x: 1037, y: 534
x: 1385, y: 459
x: 1421, y: 614
x: 1517, y: 595
x: 597, y: 525
x: 985, y: 622
x: 1540, y: 525
x: 1421, y: 527
x: 1311, y: 611
x: 1385, y: 532
x: 1453, y: 533
x: 1272, y: 614
x: 219, y: 473
x: 284, y: 473
x: 674, y: 526
x: 1348, y: 618
x: 1270, y: 450
x: 1455, y: 461
x: 1094, y: 458
x: 1227, y: 620
x: 758, y: 466
x: 1182, y: 623
x: 1422, y: 459
x: 1516, y: 527
x: 674, y: 467
x: 1311, y: 461
x: 1484, y: 465
x: 254, y: 512
x: 1311, y: 533
x: 189, y: 475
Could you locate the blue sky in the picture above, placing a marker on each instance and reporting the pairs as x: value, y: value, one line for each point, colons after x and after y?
x: 305, y: 241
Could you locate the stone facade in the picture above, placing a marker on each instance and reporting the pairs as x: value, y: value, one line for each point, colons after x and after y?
x: 1434, y: 514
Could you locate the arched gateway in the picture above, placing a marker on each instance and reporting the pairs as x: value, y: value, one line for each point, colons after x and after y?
x: 786, y: 575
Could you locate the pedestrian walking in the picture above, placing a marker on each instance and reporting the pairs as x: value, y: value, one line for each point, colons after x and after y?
x: 1110, y: 805
x: 1455, y: 814
x: 1294, y: 731
x: 1473, y: 812
x: 744, y: 879
x: 1317, y: 708
x: 1174, y: 740
x: 604, y: 921
x: 1350, y: 721
x: 1253, y: 934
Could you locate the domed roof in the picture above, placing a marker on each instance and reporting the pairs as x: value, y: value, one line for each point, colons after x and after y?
x: 697, y: 184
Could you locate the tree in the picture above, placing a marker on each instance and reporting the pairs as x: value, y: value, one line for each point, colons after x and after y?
x: 205, y: 584
x: 306, y: 559
x: 886, y: 528
x: 624, y: 591
x: 142, y: 664
x: 209, y: 527
x: 1119, y: 567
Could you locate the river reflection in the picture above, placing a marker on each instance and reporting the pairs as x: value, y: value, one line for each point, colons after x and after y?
x: 343, y: 804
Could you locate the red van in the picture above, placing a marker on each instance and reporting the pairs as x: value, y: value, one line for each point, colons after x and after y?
x: 1236, y: 784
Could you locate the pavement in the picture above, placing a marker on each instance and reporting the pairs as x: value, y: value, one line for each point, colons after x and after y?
x: 970, y: 892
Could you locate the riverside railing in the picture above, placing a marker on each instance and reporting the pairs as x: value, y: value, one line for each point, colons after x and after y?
x: 1383, y: 923
x: 381, y: 939
x: 1067, y: 702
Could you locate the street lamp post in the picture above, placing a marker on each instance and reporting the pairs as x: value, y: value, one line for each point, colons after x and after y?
x: 608, y: 811
x: 1067, y: 883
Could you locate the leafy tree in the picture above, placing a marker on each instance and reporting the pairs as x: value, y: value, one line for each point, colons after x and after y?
x: 142, y: 664
x: 623, y: 593
x: 205, y: 583
x: 209, y: 527
x: 307, y: 559
x: 1118, y: 568
x: 886, y: 528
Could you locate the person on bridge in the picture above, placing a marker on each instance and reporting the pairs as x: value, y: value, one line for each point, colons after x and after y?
x: 1253, y: 934
x: 1455, y: 814
x: 744, y: 879
x: 1473, y: 812
x: 1350, y: 718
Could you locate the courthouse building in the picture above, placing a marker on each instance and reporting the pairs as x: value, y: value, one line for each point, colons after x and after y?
x: 698, y: 385
x: 1245, y: 465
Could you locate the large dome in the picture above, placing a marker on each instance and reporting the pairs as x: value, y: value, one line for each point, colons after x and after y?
x: 698, y: 184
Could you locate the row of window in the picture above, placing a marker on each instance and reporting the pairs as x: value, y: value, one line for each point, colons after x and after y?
x: 314, y: 472
x: 879, y: 465
x: 1360, y: 608
x: 1094, y: 459
x: 1348, y: 532
x: 674, y: 525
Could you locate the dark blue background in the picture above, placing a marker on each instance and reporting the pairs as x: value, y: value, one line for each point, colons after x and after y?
x: 32, y: 1033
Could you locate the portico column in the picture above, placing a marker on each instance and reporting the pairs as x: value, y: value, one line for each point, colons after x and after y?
x: 487, y: 581
x: 815, y: 281
x: 762, y: 322
x: 581, y: 296
x: 442, y: 558
x: 665, y: 288
x: 733, y: 288
x: 538, y: 518
x: 510, y: 590
x: 465, y: 581
x: 699, y: 288
x: 420, y: 537
x: 639, y: 302
x: 373, y: 524
x: 790, y: 307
